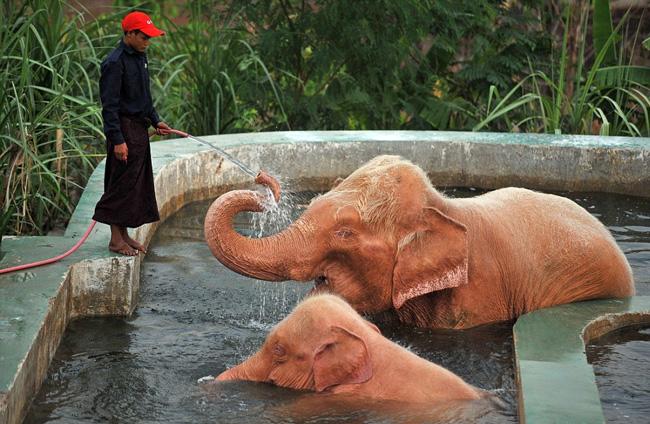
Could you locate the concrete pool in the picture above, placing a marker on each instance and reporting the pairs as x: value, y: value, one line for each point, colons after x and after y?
x: 37, y: 305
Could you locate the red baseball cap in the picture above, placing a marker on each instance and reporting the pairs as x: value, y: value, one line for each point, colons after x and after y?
x: 140, y: 21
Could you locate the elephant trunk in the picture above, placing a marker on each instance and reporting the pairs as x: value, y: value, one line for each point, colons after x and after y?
x: 270, y: 258
x: 252, y: 369
x: 235, y: 373
x: 273, y: 184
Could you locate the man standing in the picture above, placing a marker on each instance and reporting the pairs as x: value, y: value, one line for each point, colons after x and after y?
x: 129, y: 199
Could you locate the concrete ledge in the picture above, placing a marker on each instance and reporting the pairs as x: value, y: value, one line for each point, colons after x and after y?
x: 555, y: 382
x: 578, y: 163
x: 36, y: 306
x: 106, y: 286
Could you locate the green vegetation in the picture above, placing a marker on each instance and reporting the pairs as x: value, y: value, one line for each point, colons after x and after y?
x: 266, y: 65
x: 606, y: 97
x: 49, y: 116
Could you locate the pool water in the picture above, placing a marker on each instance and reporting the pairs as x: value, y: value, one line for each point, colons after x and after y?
x: 196, y: 318
x: 621, y: 360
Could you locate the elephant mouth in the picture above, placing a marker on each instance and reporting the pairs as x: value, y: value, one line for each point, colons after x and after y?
x: 321, y: 283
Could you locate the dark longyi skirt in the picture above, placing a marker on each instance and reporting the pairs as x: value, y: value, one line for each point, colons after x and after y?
x: 129, y: 198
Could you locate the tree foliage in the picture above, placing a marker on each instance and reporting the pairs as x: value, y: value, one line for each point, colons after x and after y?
x: 378, y: 64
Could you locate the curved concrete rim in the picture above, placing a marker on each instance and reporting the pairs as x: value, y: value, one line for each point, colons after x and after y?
x: 36, y: 305
x: 555, y: 381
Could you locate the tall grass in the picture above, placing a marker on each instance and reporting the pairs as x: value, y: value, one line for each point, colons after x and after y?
x: 609, y: 97
x: 49, y: 115
x: 207, y: 78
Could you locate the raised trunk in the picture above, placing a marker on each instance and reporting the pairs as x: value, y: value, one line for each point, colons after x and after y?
x: 273, y: 258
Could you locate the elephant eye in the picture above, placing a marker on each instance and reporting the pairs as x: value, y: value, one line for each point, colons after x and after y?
x: 279, y: 350
x: 278, y: 361
x: 343, y: 233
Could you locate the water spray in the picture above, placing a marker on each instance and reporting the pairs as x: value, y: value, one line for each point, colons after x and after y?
x: 223, y: 153
x: 260, y: 178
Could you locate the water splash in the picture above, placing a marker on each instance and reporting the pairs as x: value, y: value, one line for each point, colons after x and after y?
x: 206, y: 379
x: 276, y: 216
x: 274, y: 301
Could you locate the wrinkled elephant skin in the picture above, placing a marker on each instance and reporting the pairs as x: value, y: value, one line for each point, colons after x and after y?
x: 326, y: 347
x: 384, y: 238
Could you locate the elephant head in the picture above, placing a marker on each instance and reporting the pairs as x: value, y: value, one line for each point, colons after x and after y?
x: 325, y: 346
x: 379, y: 238
x: 322, y: 344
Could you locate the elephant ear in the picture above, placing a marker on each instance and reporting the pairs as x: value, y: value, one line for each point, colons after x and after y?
x: 433, y: 257
x: 342, y: 359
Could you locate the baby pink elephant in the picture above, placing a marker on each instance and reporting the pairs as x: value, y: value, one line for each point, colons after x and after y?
x: 326, y: 347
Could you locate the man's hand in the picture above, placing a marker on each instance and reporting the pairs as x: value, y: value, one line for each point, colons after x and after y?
x: 162, y: 128
x: 121, y: 151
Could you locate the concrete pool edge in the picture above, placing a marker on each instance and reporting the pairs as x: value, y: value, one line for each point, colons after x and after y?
x: 555, y: 381
x: 105, y: 284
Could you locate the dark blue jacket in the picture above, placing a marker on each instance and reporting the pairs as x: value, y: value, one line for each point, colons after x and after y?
x: 124, y: 90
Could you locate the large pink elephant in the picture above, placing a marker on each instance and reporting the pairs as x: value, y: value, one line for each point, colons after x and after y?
x: 385, y: 238
x: 326, y: 347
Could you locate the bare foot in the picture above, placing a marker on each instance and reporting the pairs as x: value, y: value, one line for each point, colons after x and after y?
x: 123, y: 249
x: 134, y: 244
